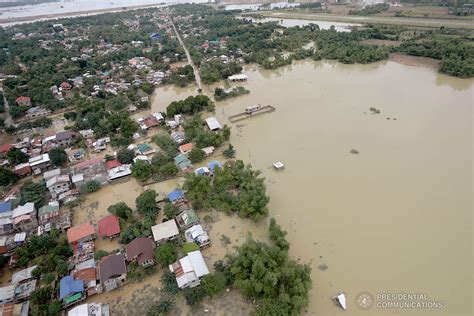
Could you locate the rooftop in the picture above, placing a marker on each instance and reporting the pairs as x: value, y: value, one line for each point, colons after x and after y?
x: 111, y: 266
x: 109, y: 226
x: 78, y: 232
x: 165, y: 230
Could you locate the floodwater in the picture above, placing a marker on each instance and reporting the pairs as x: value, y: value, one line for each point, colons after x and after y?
x: 395, y: 218
x: 324, y: 25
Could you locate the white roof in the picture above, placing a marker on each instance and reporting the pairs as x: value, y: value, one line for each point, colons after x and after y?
x: 158, y: 116
x: 212, y: 123
x: 120, y: 171
x: 186, y: 278
x: 7, y: 293
x: 165, y: 230
x: 49, y: 138
x: 22, y: 165
x: 195, y: 231
x: 77, y: 177
x: 20, y: 237
x: 85, y: 264
x: 57, y: 179
x: 208, y: 150
x: 39, y: 160
x: 24, y: 209
x: 52, y: 173
x: 198, y: 263
x: 238, y: 77
x: 142, y: 158
x: 22, y: 275
x: 81, y: 310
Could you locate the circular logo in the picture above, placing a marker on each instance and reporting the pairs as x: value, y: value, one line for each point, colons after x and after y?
x: 364, y: 300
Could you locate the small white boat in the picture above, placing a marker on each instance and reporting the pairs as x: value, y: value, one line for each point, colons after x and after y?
x: 278, y: 165
x: 340, y: 300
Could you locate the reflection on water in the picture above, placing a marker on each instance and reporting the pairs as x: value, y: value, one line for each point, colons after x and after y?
x: 376, y: 218
x: 65, y: 6
x: 324, y: 25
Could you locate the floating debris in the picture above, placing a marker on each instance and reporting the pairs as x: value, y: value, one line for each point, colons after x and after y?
x: 340, y: 300
x: 374, y: 110
x: 323, y: 267
x: 354, y: 151
x: 278, y: 165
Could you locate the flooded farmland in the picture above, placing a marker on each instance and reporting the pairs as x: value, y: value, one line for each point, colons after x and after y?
x: 380, y: 221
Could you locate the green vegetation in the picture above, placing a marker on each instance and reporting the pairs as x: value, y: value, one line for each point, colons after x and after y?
x: 7, y: 177
x: 168, y: 280
x: 370, y: 9
x: 235, y: 188
x: 15, y: 156
x: 213, y: 71
x: 99, y: 254
x: 163, y: 307
x: 190, y: 105
x: 58, y: 156
x: 190, y: 246
x: 196, y: 131
x: 142, y: 170
x: 165, y: 254
x: 221, y: 94
x: 146, y: 203
x: 182, y: 77
x: 33, y: 192
x: 125, y: 156
x: 229, y: 152
x: 196, y: 155
x: 92, y: 186
x: 121, y: 209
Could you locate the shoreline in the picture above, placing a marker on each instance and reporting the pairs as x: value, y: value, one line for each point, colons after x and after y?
x: 72, y: 14
x: 415, y: 61
x: 414, y: 22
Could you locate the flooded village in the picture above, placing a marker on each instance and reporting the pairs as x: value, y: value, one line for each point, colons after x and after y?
x: 171, y: 170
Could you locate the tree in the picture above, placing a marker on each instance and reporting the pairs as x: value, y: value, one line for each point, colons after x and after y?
x: 120, y: 209
x: 142, y: 170
x: 168, y: 281
x: 146, y: 203
x: 263, y: 271
x: 196, y: 155
x: 58, y: 156
x: 170, y: 210
x: 125, y: 156
x: 92, y: 186
x: 214, y: 283
x: 54, y: 308
x: 33, y: 192
x: 278, y: 235
x: 41, y: 295
x: 197, y: 189
x: 162, y: 308
x: 165, y: 254
x: 226, y: 132
x: 61, y: 267
x: 168, y: 170
x: 194, y: 296
x: 229, y: 152
x: 16, y: 156
x: 7, y: 177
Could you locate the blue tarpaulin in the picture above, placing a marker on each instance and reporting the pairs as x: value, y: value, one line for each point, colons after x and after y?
x: 5, y: 207
x: 175, y: 195
x: 67, y: 286
x: 213, y: 164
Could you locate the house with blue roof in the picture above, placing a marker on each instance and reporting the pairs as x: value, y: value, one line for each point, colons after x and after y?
x: 68, y: 287
x: 5, y: 207
x: 175, y: 195
x: 155, y: 36
x: 214, y: 164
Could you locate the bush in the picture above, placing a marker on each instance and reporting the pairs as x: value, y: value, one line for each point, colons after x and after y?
x: 165, y: 254
x: 214, y: 283
x: 121, y: 210
x: 92, y: 186
x: 125, y: 156
x: 99, y: 254
x: 168, y: 281
x: 58, y: 156
x: 194, y: 296
x: 190, y: 246
x: 196, y: 155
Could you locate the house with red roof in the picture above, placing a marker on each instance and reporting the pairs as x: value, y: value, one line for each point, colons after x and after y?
x: 112, y: 164
x: 81, y: 233
x: 23, y: 101
x: 4, y: 149
x: 65, y: 85
x: 109, y: 227
x: 186, y: 148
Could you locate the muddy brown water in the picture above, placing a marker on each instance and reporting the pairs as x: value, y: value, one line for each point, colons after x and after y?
x: 395, y: 218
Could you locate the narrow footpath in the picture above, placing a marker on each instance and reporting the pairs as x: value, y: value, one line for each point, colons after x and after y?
x: 8, y: 117
x: 190, y: 61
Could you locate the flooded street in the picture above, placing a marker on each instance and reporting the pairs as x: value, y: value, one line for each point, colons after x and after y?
x: 381, y: 221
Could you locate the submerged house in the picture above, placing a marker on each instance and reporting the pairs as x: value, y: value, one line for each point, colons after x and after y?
x: 186, y: 219
x: 81, y: 233
x: 176, y: 196
x: 109, y: 227
x: 189, y: 270
x: 112, y: 272
x: 141, y: 250
x: 183, y: 163
x: 70, y: 290
x: 165, y: 231
x: 198, y: 235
